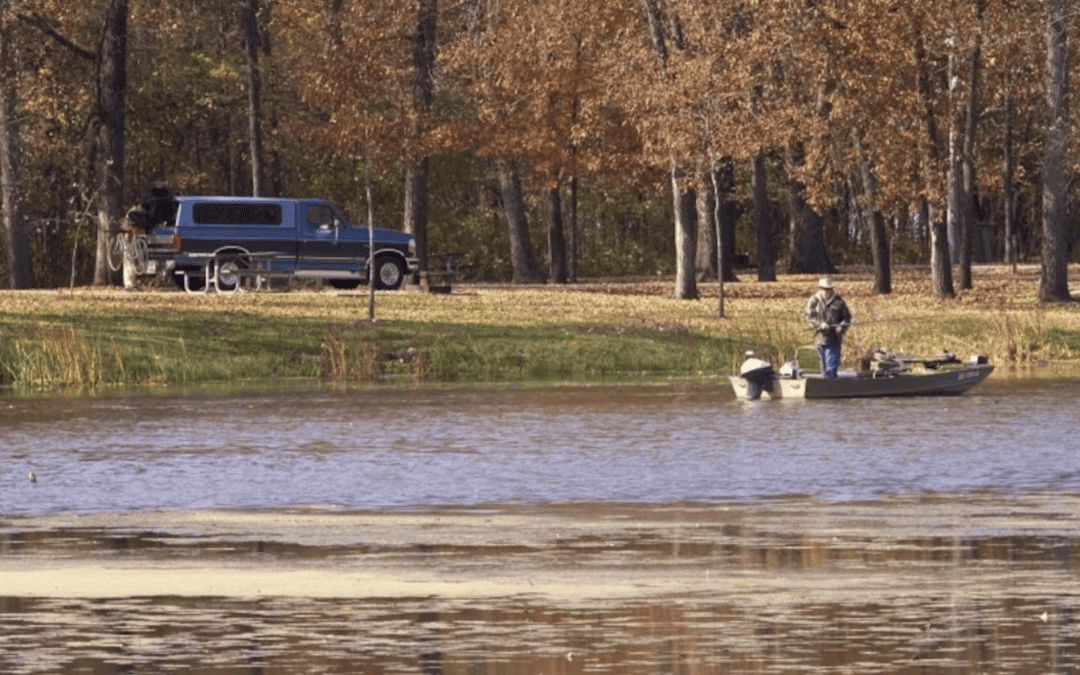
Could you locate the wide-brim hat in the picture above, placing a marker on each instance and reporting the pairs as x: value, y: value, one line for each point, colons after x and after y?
x: 826, y: 282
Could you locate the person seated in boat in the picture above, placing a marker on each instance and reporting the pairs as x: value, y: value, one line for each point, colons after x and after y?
x: 830, y: 318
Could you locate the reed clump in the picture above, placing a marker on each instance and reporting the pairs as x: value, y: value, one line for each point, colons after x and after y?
x: 346, y: 361
x: 60, y: 356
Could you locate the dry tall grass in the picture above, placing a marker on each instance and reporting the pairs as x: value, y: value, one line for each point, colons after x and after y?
x: 58, y: 356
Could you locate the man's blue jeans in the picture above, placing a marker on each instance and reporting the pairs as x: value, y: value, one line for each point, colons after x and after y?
x: 830, y: 359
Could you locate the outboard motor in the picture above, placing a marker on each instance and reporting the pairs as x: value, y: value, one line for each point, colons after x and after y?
x: 758, y: 374
x: 790, y: 370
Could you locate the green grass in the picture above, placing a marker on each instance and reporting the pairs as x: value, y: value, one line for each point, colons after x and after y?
x: 99, y: 338
x: 573, y: 352
x: 96, y: 350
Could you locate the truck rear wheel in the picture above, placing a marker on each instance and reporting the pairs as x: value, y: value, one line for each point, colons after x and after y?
x: 195, y: 282
x: 228, y: 272
x: 389, y: 273
x: 344, y: 284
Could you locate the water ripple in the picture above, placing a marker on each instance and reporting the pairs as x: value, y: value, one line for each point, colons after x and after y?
x: 400, y: 448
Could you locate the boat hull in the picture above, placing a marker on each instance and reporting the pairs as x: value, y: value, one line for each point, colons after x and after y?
x: 943, y: 382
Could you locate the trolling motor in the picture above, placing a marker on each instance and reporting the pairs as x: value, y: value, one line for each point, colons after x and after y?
x: 759, y: 376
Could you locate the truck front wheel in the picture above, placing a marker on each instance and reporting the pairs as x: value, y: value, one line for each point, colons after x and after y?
x: 389, y: 273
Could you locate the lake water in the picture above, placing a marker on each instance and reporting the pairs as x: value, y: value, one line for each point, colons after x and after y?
x: 603, y: 529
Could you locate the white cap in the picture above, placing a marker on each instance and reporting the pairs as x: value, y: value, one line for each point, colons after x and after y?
x: 826, y: 282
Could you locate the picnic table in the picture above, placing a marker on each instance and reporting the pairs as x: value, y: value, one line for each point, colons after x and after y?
x: 210, y: 274
x: 446, y: 267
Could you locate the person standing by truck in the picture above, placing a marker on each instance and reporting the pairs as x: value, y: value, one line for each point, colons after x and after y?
x: 830, y: 318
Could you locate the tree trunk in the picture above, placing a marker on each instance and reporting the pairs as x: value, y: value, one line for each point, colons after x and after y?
x: 416, y: 207
x: 940, y: 264
x: 656, y: 33
x: 762, y: 223
x: 112, y: 78
x: 1054, y: 280
x: 249, y: 23
x: 879, y: 244
x: 685, y: 239
x: 522, y: 257
x: 705, y: 250
x: 716, y: 224
x: 556, y: 240
x: 723, y: 263
x: 423, y: 83
x: 806, y: 229
x: 371, y: 239
x: 967, y: 167
x: 955, y: 197
x: 1008, y: 188
x: 427, y: 21
x: 16, y: 253
x: 807, y: 251
x: 879, y: 241
x: 724, y: 183
x: 685, y: 207
x: 572, y: 220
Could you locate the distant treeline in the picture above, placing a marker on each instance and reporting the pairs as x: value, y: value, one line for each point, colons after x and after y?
x: 546, y: 140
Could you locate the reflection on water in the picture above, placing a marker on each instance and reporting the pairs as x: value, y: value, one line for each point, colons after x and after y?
x: 900, y: 586
x: 593, y: 530
x: 212, y: 636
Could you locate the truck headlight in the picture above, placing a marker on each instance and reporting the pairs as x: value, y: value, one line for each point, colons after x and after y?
x: 412, y: 246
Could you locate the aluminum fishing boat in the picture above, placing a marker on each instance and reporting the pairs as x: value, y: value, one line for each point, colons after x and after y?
x: 889, y: 375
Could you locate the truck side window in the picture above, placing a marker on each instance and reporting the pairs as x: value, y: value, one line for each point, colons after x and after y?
x: 214, y: 213
x: 320, y: 215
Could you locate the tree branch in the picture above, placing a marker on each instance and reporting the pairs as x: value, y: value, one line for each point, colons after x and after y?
x: 41, y: 23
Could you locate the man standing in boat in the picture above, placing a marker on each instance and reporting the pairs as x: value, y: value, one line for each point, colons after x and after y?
x: 830, y: 318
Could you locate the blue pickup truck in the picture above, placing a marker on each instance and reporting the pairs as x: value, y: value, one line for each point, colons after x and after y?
x: 224, y: 239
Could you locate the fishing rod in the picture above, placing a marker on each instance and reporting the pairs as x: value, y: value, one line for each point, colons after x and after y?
x: 886, y: 319
x: 861, y: 323
x: 870, y: 321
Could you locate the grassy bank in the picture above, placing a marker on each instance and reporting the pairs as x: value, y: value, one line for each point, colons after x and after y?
x: 621, y: 329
